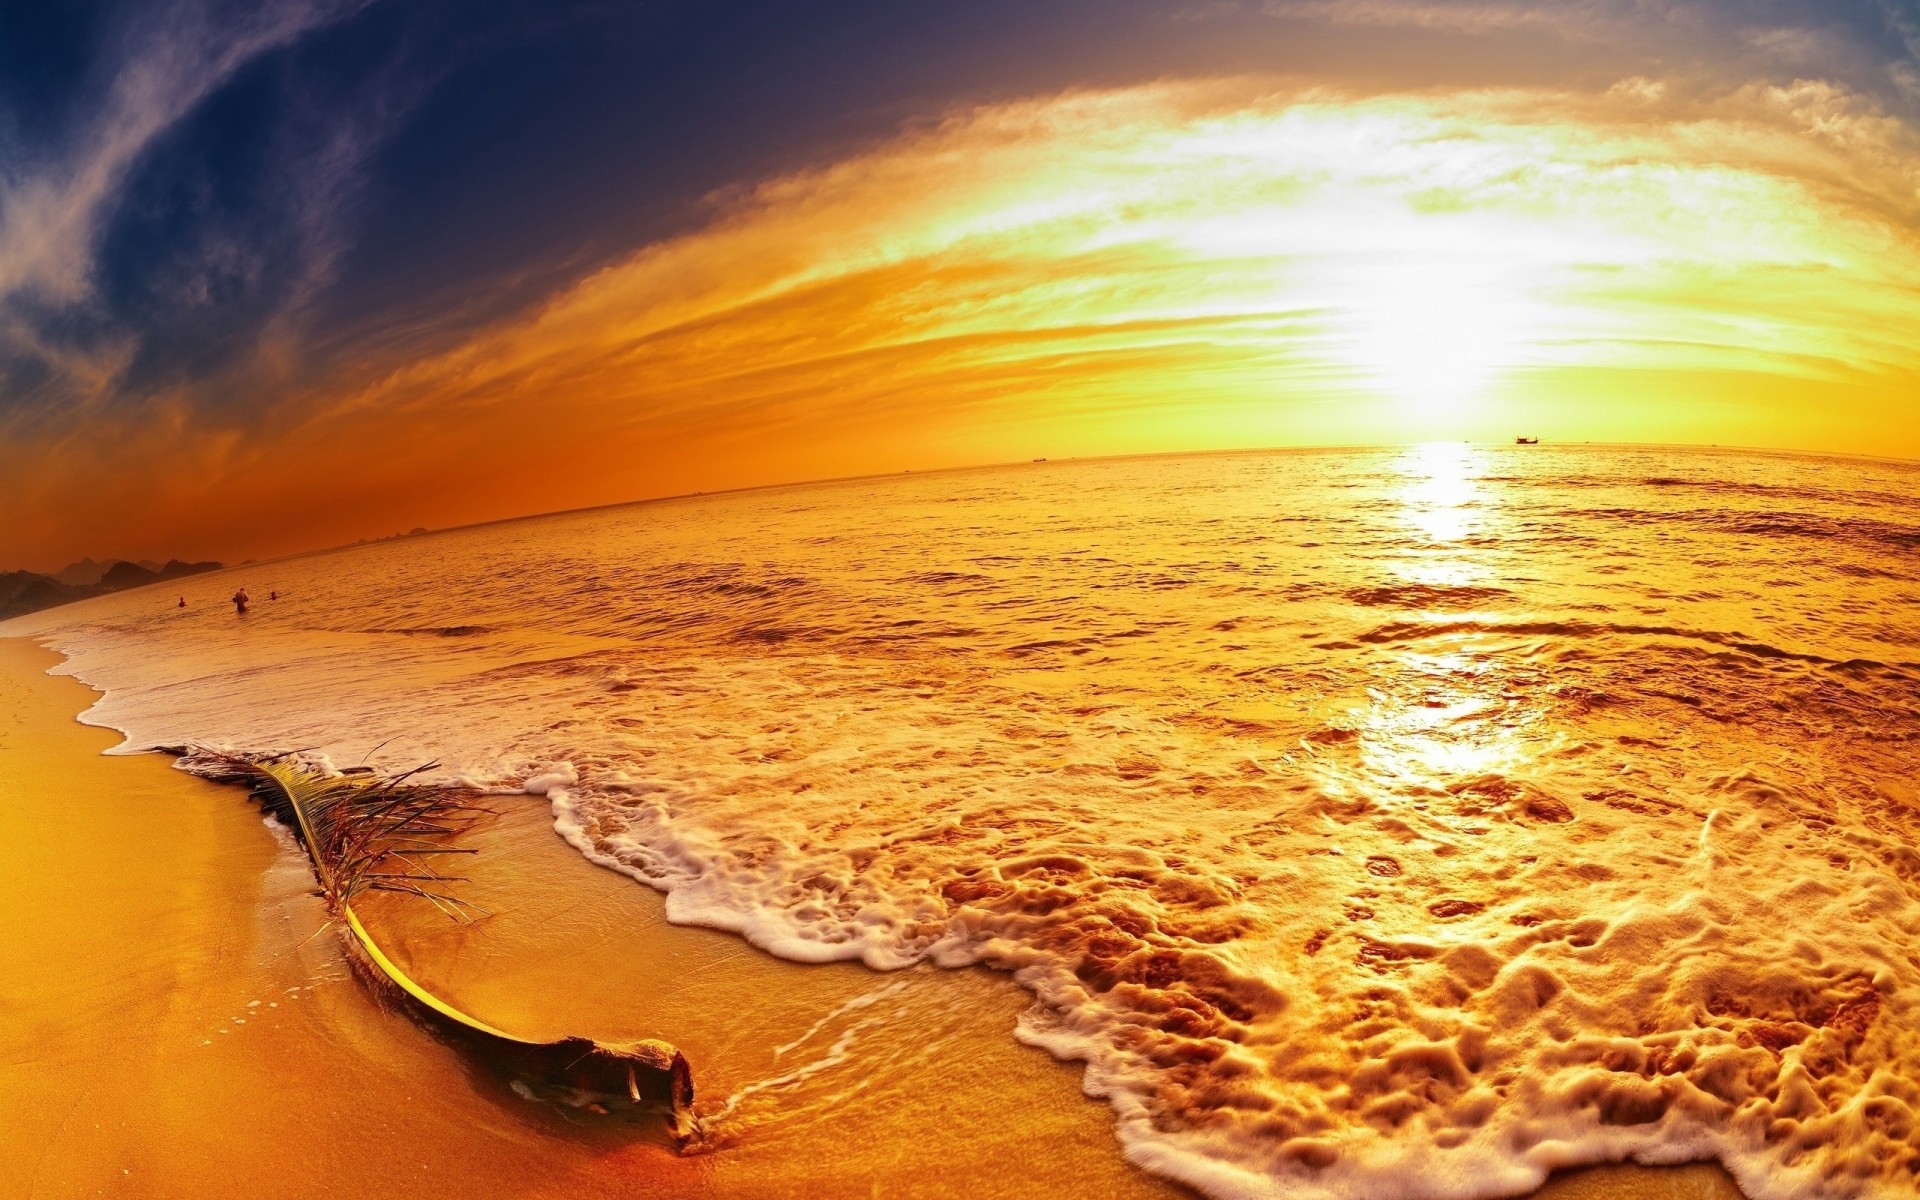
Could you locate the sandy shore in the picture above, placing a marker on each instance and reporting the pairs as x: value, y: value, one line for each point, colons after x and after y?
x: 170, y: 1025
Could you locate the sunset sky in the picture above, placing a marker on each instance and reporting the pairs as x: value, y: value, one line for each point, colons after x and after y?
x: 277, y: 275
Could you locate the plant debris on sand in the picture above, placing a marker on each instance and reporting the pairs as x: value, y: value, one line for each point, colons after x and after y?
x: 365, y: 832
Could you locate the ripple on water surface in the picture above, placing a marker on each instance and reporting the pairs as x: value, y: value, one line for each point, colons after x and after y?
x: 1399, y: 822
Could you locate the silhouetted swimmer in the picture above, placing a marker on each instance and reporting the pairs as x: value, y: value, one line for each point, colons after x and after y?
x: 182, y: 604
x: 273, y: 595
x: 240, y: 601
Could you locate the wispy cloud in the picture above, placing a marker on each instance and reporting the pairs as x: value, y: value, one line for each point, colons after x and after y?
x: 1660, y: 253
x: 1480, y: 16
x: 1190, y: 265
x: 51, y: 212
x: 1870, y: 45
x: 1174, y: 203
x: 57, y: 202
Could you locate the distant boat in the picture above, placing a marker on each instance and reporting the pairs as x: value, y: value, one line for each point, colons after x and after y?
x: 1532, y: 441
x: 1039, y: 460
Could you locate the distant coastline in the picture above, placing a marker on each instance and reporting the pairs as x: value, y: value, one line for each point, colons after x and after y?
x: 29, y: 591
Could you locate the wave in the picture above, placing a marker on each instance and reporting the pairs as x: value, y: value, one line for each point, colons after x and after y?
x: 1427, y: 596
x: 1403, y: 631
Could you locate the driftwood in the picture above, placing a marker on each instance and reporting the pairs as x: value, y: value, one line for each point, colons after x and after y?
x: 363, y: 832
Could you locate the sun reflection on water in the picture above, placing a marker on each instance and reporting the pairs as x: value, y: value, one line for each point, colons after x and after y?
x: 1446, y: 718
x: 1439, y: 490
x: 1453, y: 714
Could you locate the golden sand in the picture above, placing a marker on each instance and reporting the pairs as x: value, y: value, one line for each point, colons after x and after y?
x: 170, y: 1025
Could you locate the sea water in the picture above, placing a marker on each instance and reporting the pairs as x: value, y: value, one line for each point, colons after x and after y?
x: 1370, y: 823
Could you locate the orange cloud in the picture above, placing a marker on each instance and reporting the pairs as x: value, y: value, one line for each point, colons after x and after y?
x: 1173, y: 266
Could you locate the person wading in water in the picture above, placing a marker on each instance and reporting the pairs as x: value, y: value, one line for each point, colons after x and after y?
x: 240, y: 599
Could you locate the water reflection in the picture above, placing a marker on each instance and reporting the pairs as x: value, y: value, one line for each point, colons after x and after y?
x: 1450, y: 710
x: 1073, y: 721
x: 1440, y: 492
x: 1444, y: 718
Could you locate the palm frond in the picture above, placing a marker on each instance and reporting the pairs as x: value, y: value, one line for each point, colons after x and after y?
x: 364, y: 832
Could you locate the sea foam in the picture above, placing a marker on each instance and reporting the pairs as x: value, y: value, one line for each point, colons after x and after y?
x: 1396, y: 824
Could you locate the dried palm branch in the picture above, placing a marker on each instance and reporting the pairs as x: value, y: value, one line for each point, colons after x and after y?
x: 364, y: 832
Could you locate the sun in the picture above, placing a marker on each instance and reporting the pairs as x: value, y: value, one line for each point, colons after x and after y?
x: 1434, y: 331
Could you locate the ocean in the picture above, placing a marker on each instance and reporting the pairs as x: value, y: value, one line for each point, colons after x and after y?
x: 1386, y: 822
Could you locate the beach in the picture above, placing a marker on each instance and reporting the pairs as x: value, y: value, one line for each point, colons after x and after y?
x: 1419, y: 824
x: 179, y: 1022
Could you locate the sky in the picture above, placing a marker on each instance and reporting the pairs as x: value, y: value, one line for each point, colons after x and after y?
x: 281, y: 274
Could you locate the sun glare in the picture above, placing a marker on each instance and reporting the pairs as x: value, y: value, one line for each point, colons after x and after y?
x: 1169, y: 266
x: 1433, y: 335
x: 1370, y: 267
x: 1440, y: 498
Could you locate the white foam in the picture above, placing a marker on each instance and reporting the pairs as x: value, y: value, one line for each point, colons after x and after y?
x: 550, y: 779
x: 1329, y: 900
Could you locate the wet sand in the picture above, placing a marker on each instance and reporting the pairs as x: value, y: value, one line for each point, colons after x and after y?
x: 170, y: 1025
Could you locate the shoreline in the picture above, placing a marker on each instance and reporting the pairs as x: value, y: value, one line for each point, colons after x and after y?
x: 170, y: 996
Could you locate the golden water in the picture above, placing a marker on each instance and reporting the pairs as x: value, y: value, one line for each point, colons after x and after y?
x: 1369, y: 823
